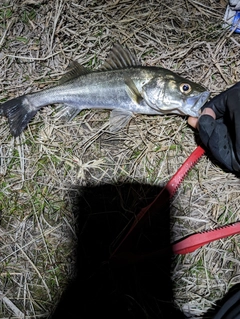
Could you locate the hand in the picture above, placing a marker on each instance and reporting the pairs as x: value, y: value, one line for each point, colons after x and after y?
x: 219, y: 127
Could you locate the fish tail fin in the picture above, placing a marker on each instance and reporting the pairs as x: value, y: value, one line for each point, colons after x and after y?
x: 19, y: 113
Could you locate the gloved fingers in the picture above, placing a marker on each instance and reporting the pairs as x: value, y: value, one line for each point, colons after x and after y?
x: 216, y: 138
x: 236, y: 142
x: 206, y: 126
x: 225, y: 102
x: 193, y: 121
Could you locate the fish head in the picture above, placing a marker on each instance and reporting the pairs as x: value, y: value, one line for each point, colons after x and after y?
x: 171, y: 93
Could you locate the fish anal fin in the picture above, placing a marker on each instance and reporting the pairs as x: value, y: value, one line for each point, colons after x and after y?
x: 119, y: 118
x: 119, y: 58
x: 67, y: 112
x: 74, y: 70
x: 132, y: 91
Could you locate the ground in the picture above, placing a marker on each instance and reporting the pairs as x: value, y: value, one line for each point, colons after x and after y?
x: 52, y: 163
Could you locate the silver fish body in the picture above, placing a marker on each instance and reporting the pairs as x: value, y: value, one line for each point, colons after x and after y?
x: 121, y: 85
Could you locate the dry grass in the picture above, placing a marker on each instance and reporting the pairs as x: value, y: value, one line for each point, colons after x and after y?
x: 37, y: 228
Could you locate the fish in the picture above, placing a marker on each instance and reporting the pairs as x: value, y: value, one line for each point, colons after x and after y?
x: 122, y: 84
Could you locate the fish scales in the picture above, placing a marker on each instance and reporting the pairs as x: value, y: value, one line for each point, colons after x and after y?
x: 97, y: 90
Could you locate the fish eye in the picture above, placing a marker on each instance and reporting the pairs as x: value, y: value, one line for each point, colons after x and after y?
x: 185, y: 88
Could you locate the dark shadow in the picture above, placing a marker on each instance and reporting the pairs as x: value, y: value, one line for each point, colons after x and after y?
x: 104, y: 289
x: 227, y: 305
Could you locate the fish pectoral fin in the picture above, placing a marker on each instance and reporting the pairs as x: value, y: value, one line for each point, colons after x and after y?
x: 119, y: 118
x: 74, y: 70
x: 132, y: 91
x: 66, y: 112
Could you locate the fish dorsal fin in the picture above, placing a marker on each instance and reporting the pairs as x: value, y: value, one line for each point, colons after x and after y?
x: 73, y: 71
x: 119, y: 58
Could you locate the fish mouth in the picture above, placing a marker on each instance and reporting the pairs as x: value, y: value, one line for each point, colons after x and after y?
x: 196, y: 103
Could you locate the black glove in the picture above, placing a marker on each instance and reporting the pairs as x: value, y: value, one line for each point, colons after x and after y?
x: 222, y: 135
